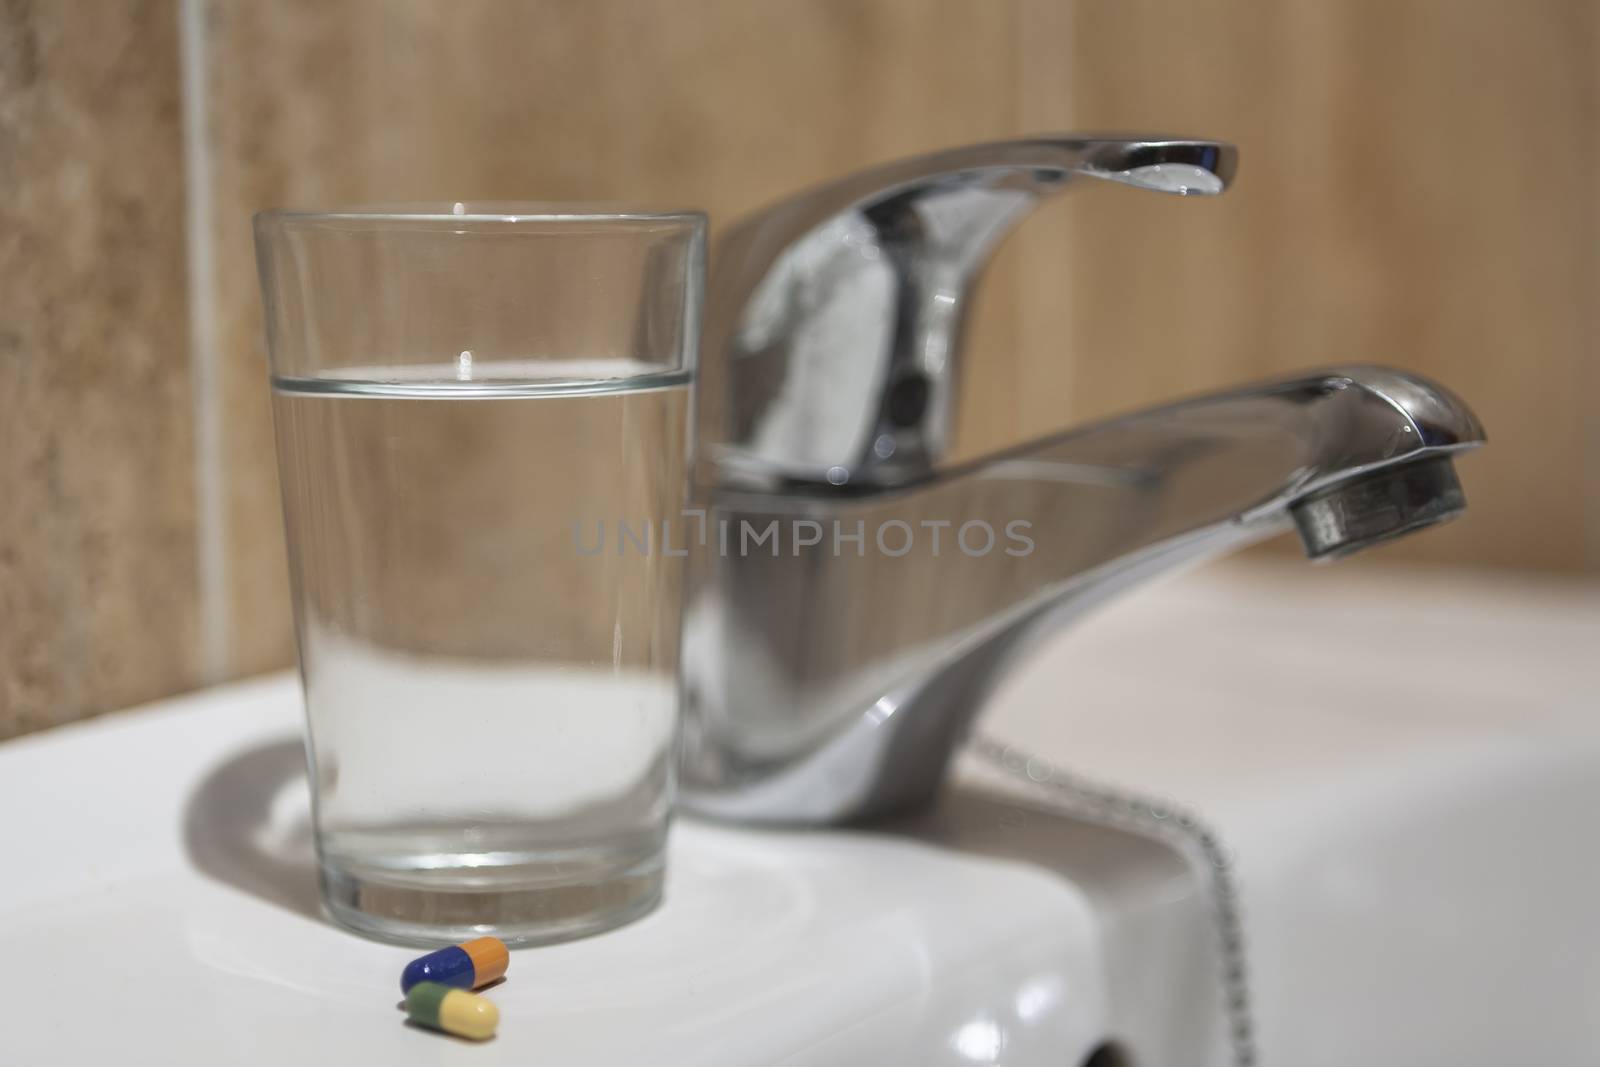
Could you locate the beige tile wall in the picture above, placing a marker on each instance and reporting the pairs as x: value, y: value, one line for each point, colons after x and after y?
x: 1416, y: 189
x: 718, y: 104
x: 98, y: 585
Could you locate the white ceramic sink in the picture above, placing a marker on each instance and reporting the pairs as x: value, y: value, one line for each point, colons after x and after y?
x: 1405, y: 768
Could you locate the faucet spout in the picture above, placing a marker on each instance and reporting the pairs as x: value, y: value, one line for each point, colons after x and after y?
x: 829, y: 678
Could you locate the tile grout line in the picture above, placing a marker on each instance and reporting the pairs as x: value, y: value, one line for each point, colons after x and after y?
x: 206, y: 415
x: 1591, y: 560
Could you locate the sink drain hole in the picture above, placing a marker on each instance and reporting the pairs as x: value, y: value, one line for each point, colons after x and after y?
x: 1107, y: 1055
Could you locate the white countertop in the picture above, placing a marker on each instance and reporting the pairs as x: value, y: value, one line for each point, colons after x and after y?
x: 1405, y: 765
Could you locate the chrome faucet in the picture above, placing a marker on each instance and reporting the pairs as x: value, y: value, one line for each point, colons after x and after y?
x: 855, y: 594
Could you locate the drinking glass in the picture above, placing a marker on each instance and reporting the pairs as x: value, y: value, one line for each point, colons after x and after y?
x: 465, y: 398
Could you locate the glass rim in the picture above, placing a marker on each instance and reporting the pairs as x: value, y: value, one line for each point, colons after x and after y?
x: 492, y: 211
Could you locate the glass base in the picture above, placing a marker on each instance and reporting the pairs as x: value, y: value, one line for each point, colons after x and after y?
x: 549, y: 906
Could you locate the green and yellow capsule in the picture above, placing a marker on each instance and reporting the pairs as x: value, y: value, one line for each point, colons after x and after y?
x: 455, y: 1011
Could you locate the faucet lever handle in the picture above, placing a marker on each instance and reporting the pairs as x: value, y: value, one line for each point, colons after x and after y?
x: 834, y: 318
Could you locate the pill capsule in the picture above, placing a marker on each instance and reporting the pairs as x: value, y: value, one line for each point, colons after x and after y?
x: 465, y: 966
x: 455, y: 1011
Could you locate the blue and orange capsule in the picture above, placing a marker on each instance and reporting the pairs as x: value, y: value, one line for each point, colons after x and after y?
x: 469, y: 965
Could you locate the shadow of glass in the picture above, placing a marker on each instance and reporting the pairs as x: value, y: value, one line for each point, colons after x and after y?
x: 248, y: 826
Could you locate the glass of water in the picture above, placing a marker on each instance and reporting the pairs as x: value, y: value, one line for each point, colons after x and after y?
x: 482, y: 418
